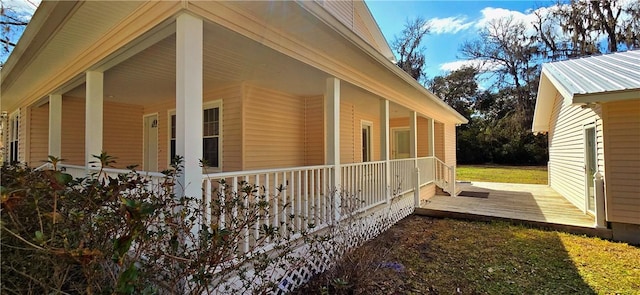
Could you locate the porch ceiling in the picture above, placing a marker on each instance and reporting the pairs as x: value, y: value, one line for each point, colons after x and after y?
x: 149, y: 76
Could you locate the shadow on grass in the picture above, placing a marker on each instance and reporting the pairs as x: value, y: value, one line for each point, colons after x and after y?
x: 439, y: 256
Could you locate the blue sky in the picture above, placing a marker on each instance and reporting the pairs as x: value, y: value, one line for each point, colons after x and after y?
x: 452, y: 22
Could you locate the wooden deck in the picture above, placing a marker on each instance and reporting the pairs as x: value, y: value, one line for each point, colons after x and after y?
x: 531, y: 204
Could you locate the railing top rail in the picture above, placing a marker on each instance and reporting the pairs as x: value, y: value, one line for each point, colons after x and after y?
x: 401, y: 160
x: 254, y: 172
x: 442, y: 162
x: 362, y: 163
x: 45, y: 165
x: 114, y: 170
x: 426, y: 158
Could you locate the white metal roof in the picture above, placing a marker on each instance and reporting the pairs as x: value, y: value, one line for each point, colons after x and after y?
x: 594, y: 79
x: 597, y: 74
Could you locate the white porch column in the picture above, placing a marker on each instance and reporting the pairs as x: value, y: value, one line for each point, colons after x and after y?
x: 189, y: 103
x: 432, y: 138
x: 55, y: 125
x: 332, y: 121
x: 93, y: 120
x: 413, y: 153
x: 384, y: 146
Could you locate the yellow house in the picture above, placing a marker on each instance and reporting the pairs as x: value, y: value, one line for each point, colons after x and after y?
x: 590, y: 108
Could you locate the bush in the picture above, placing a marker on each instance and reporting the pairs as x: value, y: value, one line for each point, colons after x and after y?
x: 123, y: 235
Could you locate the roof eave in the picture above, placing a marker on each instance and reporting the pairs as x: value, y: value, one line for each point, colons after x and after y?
x: 322, y: 14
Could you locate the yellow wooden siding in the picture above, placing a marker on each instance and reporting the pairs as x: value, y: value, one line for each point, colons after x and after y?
x: 450, y: 144
x: 232, y: 125
x: 274, y: 129
x: 427, y: 191
x: 73, y: 130
x: 622, y: 152
x: 314, y: 131
x: 39, y: 135
x: 342, y: 10
x: 566, y: 149
x: 360, y: 28
x: 347, y: 126
x: 439, y: 138
x: 423, y: 137
x: 123, y: 133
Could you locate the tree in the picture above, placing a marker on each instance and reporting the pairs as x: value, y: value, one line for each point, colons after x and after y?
x: 12, y: 23
x: 513, y: 53
x: 409, y: 47
x: 459, y: 89
x: 583, y: 28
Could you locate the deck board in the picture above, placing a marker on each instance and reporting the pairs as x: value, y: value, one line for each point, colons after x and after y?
x: 528, y: 202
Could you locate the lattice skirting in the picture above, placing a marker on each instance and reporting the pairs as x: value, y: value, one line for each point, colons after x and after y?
x: 363, y: 227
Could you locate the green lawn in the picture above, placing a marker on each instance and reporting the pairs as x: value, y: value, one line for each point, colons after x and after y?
x: 422, y: 255
x: 507, y: 174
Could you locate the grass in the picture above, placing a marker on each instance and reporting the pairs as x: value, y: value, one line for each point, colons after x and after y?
x: 507, y: 174
x: 421, y: 255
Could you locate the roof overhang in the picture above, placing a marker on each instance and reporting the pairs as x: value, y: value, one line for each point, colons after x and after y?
x: 550, y: 87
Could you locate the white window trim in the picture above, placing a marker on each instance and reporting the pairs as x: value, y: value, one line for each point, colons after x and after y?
x: 369, y: 124
x: 14, y: 136
x: 206, y: 105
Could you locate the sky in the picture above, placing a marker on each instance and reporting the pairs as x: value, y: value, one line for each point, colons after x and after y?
x: 452, y: 23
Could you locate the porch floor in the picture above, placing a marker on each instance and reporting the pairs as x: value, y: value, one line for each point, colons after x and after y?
x: 531, y: 204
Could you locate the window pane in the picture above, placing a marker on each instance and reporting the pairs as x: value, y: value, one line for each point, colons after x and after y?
x: 173, y: 149
x: 210, y: 151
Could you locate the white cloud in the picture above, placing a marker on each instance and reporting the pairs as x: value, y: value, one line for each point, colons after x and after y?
x: 474, y: 63
x: 449, y: 25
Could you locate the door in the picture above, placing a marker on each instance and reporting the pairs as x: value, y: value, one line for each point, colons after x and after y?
x: 591, y: 166
x: 401, y: 143
x: 151, y: 143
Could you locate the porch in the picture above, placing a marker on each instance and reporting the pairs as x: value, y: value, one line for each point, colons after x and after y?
x: 529, y: 204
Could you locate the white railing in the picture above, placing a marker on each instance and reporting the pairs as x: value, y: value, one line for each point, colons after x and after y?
x: 363, y: 185
x: 445, y: 177
x: 426, y: 168
x: 155, y: 179
x: 300, y: 197
x: 402, y: 175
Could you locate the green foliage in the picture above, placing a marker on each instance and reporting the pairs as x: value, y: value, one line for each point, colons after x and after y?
x: 124, y: 234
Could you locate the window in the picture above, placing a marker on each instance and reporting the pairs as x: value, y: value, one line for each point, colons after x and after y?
x: 14, y: 131
x: 211, y: 132
x: 366, y: 141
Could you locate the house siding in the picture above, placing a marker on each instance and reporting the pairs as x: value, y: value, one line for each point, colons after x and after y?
x: 347, y: 126
x: 622, y: 151
x: 124, y: 122
x: 439, y: 137
x: 314, y: 131
x: 274, y: 129
x: 450, y: 144
x: 73, y: 111
x: 566, y: 149
x: 342, y: 10
x: 39, y: 135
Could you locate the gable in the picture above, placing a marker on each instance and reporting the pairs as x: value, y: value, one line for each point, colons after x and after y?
x: 356, y: 16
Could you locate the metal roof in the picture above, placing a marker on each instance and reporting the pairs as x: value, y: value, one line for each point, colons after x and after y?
x: 597, y: 74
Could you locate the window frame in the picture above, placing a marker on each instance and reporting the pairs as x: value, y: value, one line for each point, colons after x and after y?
x: 205, y: 106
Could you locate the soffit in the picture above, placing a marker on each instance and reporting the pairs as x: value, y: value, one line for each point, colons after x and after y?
x: 90, y: 21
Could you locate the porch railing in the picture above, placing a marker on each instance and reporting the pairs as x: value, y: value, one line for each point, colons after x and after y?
x: 364, y: 183
x: 155, y: 179
x: 426, y: 167
x: 402, y: 175
x: 445, y: 176
x: 298, y: 197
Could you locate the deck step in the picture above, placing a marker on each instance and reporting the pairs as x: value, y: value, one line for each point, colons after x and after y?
x: 580, y: 230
